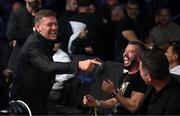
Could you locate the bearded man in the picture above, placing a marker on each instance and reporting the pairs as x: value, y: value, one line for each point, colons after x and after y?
x: 126, y: 98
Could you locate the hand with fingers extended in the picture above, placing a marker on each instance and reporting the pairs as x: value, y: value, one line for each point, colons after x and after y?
x: 88, y: 65
x: 108, y: 86
x: 89, y: 101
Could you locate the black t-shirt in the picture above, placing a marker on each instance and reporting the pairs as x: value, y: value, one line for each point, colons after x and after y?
x: 128, y: 84
x: 164, y: 102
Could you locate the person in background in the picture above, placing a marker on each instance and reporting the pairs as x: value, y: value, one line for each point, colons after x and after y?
x: 95, y: 27
x: 16, y: 6
x: 166, y: 30
x: 117, y: 14
x: 77, y: 42
x: 105, y: 9
x: 18, y: 29
x: 92, y: 8
x: 140, y: 24
x: 59, y: 56
x: 11, y: 44
x: 126, y: 30
x: 173, y: 56
x: 36, y: 69
x: 162, y: 96
x: 125, y: 99
x: 71, y: 7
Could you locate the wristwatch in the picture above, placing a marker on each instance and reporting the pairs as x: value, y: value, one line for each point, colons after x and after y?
x: 115, y: 92
x: 98, y: 103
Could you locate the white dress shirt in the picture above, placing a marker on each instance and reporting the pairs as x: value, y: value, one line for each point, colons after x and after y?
x: 61, y: 56
x: 175, y: 70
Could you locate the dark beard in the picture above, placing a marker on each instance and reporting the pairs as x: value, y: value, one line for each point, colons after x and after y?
x: 133, y: 62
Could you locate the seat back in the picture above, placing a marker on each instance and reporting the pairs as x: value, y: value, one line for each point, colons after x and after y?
x: 111, y: 70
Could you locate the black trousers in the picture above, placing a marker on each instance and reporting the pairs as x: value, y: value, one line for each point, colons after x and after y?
x: 36, y: 103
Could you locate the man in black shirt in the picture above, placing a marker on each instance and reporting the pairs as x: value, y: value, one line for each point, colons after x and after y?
x: 132, y: 87
x: 162, y: 97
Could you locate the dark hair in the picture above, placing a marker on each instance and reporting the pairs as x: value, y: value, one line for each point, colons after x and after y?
x: 141, y: 46
x: 84, y: 2
x: 119, y: 8
x: 155, y: 62
x: 133, y: 2
x: 159, y: 8
x: 175, y: 48
x: 43, y: 13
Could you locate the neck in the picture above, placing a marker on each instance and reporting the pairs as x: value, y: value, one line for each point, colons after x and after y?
x: 133, y: 69
x: 162, y: 26
x: 158, y: 85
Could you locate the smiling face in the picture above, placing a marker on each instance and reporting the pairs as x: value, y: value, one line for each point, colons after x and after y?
x: 130, y: 55
x: 48, y: 27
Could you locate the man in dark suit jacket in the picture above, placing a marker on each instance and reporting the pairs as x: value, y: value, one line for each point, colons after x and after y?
x: 162, y: 96
x: 36, y: 69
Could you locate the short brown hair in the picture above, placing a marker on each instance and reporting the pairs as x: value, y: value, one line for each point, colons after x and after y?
x: 43, y: 13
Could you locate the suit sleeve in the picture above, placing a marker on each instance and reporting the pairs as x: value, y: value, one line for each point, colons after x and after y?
x: 39, y: 58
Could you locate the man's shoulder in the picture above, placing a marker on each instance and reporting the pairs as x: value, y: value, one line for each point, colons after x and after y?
x: 31, y: 40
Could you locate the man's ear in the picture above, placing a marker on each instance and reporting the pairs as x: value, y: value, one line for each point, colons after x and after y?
x: 175, y: 56
x: 37, y: 27
x: 149, y: 78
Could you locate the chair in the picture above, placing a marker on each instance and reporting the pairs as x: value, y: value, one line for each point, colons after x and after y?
x: 111, y: 70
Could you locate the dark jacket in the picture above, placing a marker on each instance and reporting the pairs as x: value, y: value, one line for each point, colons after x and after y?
x: 164, y: 102
x: 20, y: 25
x: 65, y: 29
x: 36, y: 71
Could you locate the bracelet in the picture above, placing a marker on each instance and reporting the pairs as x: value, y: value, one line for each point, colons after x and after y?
x: 115, y: 93
x: 98, y: 103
